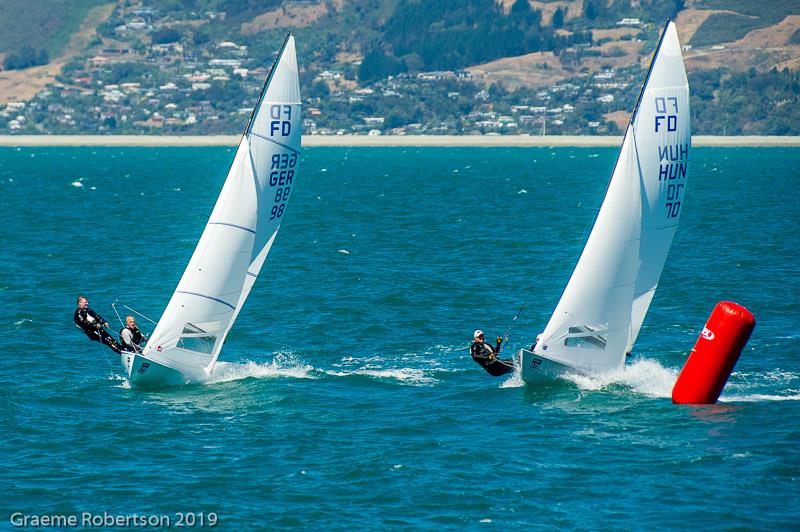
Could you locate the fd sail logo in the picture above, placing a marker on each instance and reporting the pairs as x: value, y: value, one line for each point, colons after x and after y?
x: 707, y: 333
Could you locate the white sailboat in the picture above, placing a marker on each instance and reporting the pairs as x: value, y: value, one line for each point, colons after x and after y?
x: 235, y: 242
x: 601, y: 311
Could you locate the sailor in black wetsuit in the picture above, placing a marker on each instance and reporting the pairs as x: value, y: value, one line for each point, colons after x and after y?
x: 92, y: 324
x: 130, y: 336
x: 486, y: 356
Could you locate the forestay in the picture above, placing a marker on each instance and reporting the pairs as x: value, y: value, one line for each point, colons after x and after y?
x: 239, y: 232
x: 602, y: 308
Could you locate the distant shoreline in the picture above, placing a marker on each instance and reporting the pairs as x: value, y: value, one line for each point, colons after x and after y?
x: 485, y: 141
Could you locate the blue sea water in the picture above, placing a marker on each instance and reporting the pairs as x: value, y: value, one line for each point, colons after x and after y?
x: 345, y: 396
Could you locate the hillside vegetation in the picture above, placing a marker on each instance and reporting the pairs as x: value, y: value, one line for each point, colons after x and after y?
x: 399, y: 66
x: 41, y: 24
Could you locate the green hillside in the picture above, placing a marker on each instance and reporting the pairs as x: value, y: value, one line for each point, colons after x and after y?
x: 397, y: 66
x: 748, y: 16
x: 38, y: 24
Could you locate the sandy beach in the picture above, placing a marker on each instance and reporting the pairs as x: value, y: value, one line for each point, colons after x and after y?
x: 486, y: 141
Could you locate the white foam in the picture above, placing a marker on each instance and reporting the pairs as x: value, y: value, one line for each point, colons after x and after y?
x: 374, y: 367
x: 283, y: 365
x: 515, y: 380
x: 77, y: 184
x: 646, y: 377
x: 758, y: 397
x: 404, y: 375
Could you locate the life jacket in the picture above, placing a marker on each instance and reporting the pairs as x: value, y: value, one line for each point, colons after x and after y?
x: 481, y: 350
x: 88, y: 321
x: 136, y: 336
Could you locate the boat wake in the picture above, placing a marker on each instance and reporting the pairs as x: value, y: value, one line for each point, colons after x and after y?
x: 408, y: 369
x: 751, y: 387
x: 646, y: 377
x: 283, y: 365
x: 650, y: 378
x: 376, y: 367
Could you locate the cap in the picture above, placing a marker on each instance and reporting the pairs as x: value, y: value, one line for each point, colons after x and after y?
x: 477, y: 333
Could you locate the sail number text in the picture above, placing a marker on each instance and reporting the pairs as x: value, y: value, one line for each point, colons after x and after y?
x: 673, y: 161
x: 281, y: 176
x: 664, y: 119
x: 281, y: 122
x: 673, y: 158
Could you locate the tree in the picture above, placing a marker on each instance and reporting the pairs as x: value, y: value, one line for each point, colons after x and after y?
x: 558, y: 18
x: 377, y: 65
x: 165, y: 36
x: 200, y: 38
x: 26, y: 57
x: 520, y: 7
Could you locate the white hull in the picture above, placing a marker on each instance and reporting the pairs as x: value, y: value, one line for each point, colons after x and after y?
x: 538, y: 369
x: 143, y: 372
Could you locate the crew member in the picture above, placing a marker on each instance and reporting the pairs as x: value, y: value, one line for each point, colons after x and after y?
x: 486, y: 355
x: 130, y: 336
x: 481, y: 351
x: 92, y: 324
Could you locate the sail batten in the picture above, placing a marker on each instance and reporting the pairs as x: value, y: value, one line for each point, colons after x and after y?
x: 240, y: 230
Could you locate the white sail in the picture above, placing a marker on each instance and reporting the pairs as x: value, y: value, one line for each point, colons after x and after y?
x: 239, y: 232
x: 661, y: 126
x: 602, y: 308
x: 590, y: 325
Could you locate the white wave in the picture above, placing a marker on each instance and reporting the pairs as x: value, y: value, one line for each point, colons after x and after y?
x: 77, y: 184
x: 283, y: 365
x: 123, y: 382
x: 344, y: 252
x: 646, y: 377
x: 405, y: 375
x: 758, y: 397
x: 375, y: 367
x: 23, y: 320
x: 515, y: 380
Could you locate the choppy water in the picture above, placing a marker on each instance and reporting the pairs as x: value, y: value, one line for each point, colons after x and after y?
x: 345, y: 397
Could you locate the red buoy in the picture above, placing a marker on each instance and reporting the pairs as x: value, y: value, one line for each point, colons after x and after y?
x: 714, y: 355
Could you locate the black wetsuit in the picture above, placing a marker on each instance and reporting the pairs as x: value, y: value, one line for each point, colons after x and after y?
x: 92, y: 324
x: 136, y: 339
x: 483, y: 354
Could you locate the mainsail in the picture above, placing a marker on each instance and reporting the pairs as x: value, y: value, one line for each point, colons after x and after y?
x: 601, y: 311
x: 239, y: 232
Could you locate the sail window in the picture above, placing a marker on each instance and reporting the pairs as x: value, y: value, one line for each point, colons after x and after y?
x: 199, y: 337
x: 587, y: 336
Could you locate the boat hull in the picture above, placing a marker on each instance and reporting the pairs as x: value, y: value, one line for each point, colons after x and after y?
x: 539, y: 369
x: 143, y: 372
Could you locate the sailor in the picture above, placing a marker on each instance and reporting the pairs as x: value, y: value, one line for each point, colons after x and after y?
x: 485, y: 355
x: 130, y: 336
x: 481, y: 351
x: 92, y: 324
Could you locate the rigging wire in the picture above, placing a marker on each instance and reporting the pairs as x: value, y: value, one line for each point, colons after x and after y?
x: 135, y: 312
x: 583, y: 237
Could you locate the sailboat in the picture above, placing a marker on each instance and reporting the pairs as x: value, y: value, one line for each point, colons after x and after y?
x: 187, y: 340
x: 601, y: 310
